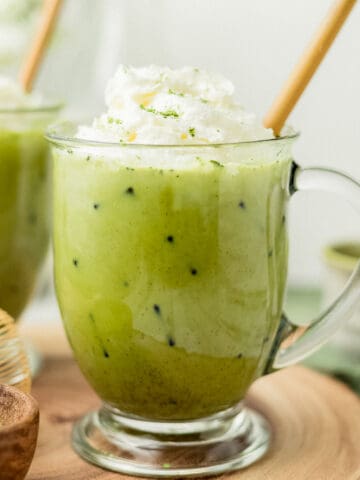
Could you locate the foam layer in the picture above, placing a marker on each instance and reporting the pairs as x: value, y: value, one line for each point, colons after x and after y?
x: 12, y: 96
x: 158, y: 105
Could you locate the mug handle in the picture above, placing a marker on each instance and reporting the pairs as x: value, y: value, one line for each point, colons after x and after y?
x: 294, y: 343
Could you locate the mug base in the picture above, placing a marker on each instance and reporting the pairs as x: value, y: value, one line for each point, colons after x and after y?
x: 227, y: 441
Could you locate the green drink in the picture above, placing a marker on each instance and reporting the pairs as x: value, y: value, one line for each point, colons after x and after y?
x: 170, y: 264
x: 25, y: 179
x: 170, y: 251
x: 170, y: 281
x: 24, y: 215
x: 24, y: 191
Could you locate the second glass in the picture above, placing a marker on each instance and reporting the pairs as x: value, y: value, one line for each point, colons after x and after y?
x: 25, y: 179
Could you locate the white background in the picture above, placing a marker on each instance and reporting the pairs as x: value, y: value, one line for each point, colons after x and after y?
x: 253, y: 42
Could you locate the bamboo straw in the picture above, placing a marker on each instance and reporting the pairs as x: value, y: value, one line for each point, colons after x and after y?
x: 307, y: 65
x: 34, y: 58
x: 14, y: 366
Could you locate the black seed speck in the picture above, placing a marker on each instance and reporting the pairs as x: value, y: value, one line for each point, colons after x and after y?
x: 96, y: 206
x: 239, y: 355
x: 130, y: 191
x: 156, y: 309
x: 242, y: 204
x: 106, y: 353
x: 170, y: 238
x: 193, y: 271
x: 171, y: 341
x: 266, y: 339
x: 75, y: 262
x: 283, y: 219
x: 88, y: 158
x: 217, y: 164
x: 270, y: 253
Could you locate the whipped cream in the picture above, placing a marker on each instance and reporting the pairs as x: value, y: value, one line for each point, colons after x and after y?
x: 12, y: 96
x: 158, y: 105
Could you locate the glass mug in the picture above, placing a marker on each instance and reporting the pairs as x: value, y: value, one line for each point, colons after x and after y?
x: 170, y: 270
x: 25, y: 180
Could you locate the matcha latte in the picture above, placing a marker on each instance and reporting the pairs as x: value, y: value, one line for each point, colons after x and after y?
x: 170, y: 244
x: 24, y: 193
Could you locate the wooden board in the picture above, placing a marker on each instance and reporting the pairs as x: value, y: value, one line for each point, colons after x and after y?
x: 315, y: 421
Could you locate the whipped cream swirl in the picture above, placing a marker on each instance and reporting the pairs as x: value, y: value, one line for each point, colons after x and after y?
x: 159, y: 105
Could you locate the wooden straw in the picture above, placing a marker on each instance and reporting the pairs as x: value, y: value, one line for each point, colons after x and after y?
x: 306, y: 67
x: 14, y: 365
x: 33, y: 60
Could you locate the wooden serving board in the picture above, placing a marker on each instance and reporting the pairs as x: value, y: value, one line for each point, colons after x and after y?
x: 315, y: 422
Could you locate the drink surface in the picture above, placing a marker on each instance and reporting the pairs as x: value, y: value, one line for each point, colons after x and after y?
x: 170, y: 280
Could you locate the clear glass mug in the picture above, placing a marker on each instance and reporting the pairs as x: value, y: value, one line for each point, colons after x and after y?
x: 25, y: 180
x: 170, y: 270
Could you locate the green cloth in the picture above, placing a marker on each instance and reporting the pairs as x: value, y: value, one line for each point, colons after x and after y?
x: 302, y: 305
